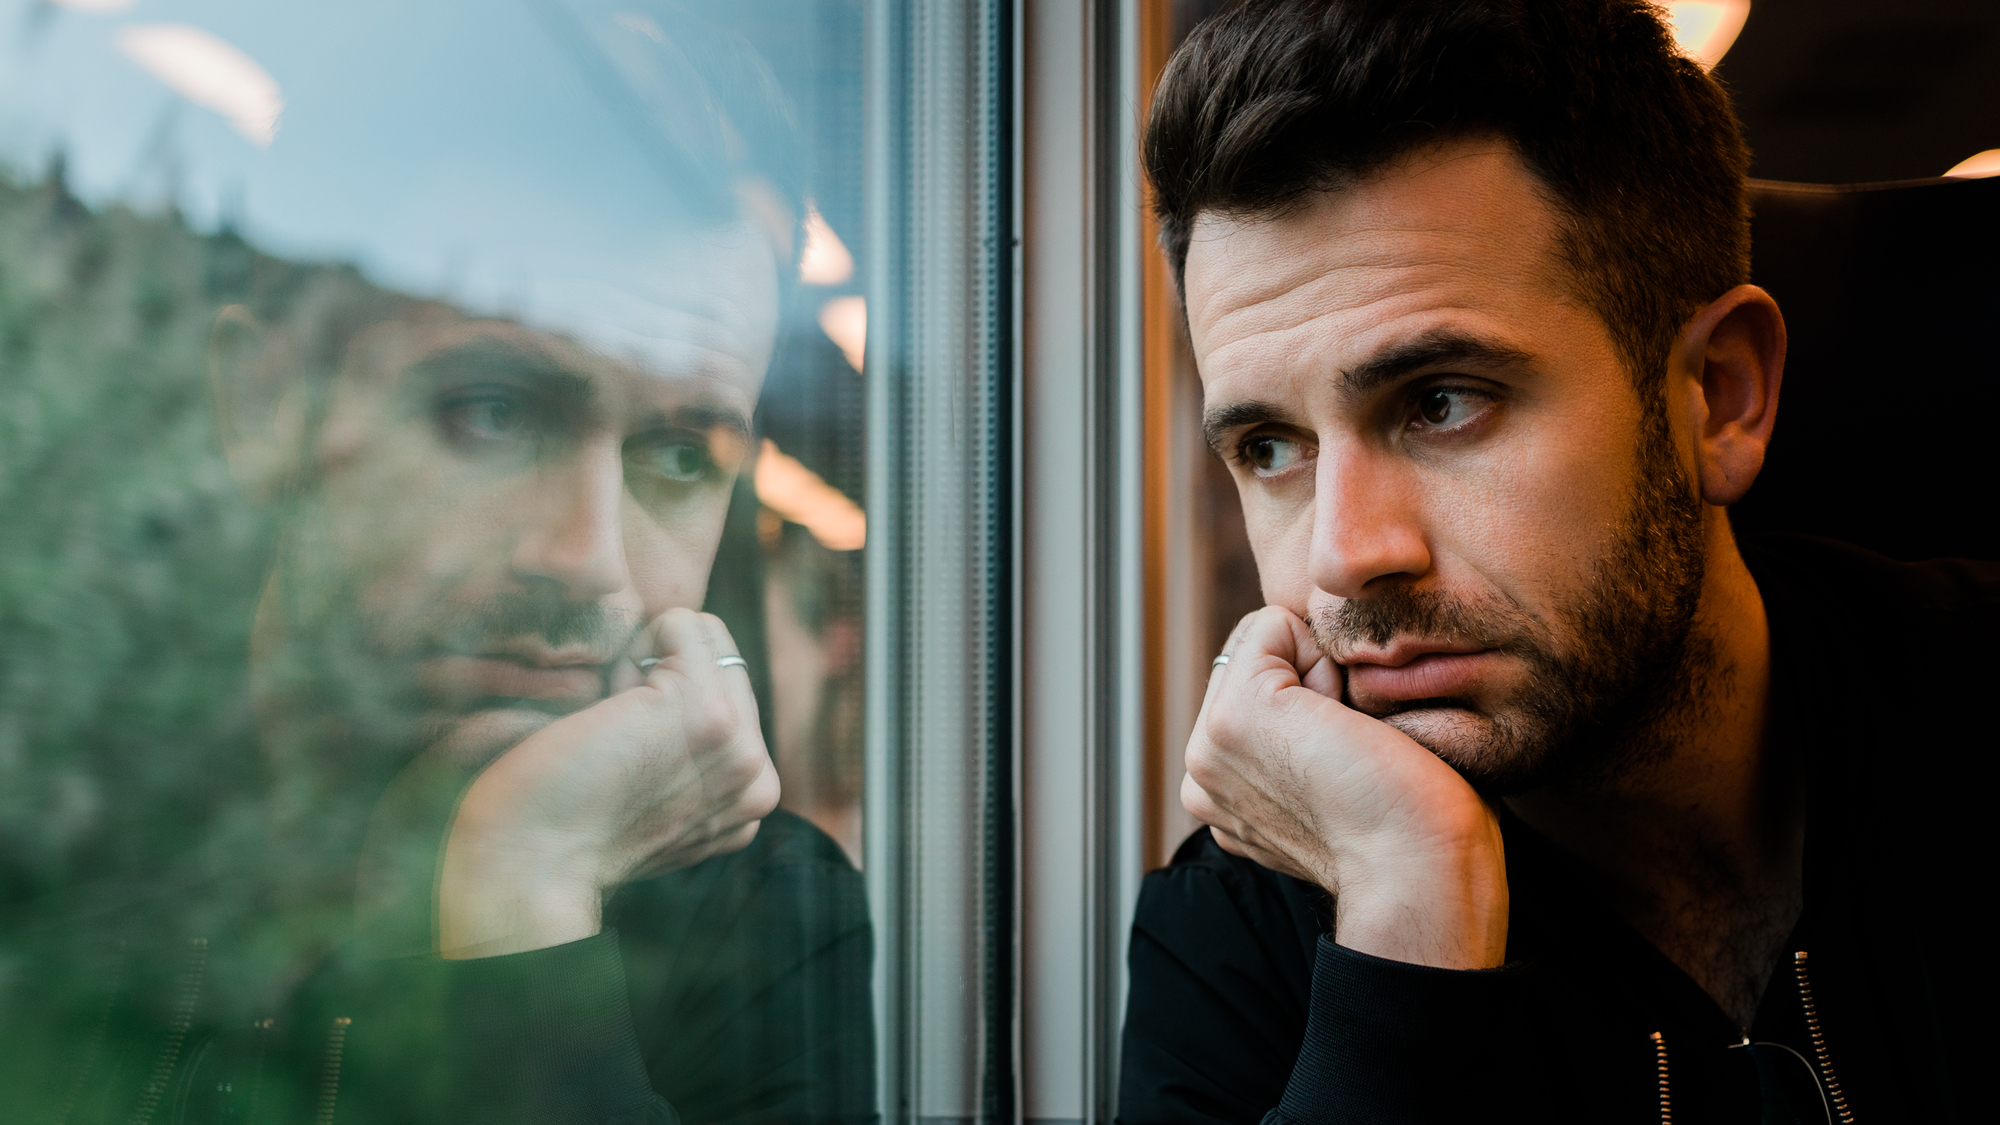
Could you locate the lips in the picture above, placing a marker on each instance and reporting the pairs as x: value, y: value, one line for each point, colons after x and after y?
x: 569, y: 686
x: 1429, y: 675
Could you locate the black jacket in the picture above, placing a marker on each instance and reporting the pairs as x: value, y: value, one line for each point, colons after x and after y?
x: 1885, y: 674
x: 733, y: 992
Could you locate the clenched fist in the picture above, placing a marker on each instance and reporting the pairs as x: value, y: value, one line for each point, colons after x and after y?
x: 1290, y: 777
x: 668, y: 770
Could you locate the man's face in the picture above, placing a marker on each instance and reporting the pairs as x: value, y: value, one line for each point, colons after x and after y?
x: 494, y: 512
x: 1445, y: 467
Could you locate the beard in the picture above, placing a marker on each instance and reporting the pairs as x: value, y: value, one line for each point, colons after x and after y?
x: 1612, y: 683
x: 343, y: 687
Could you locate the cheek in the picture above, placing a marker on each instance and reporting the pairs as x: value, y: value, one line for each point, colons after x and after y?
x: 1280, y: 531
x: 1534, y: 522
x: 447, y: 537
x: 670, y: 557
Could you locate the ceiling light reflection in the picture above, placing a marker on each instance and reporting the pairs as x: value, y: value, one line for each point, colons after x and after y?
x: 100, y: 6
x: 210, y: 73
x: 1978, y: 164
x: 845, y: 322
x: 826, y: 260
x: 1704, y: 29
x: 801, y: 496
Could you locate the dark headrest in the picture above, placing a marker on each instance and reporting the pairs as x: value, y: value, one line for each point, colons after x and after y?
x: 1887, y: 432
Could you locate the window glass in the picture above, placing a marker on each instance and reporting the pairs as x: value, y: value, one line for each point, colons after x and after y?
x: 437, y: 575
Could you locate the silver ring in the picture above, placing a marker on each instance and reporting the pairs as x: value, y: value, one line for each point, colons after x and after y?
x: 731, y: 662
x: 1219, y: 661
x: 646, y: 663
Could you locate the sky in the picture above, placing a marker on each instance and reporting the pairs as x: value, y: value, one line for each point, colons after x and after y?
x: 449, y: 148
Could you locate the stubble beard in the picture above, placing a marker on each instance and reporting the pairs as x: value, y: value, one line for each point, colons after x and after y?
x: 346, y: 674
x: 1614, y: 686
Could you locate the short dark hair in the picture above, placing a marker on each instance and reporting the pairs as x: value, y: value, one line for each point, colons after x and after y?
x: 1638, y: 147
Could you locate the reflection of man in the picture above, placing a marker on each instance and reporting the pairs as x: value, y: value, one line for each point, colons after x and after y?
x: 1531, y: 795
x: 504, y: 742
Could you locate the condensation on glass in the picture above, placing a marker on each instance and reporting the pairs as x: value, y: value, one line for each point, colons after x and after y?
x: 445, y: 632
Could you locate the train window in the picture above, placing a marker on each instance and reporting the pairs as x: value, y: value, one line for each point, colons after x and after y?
x: 505, y: 576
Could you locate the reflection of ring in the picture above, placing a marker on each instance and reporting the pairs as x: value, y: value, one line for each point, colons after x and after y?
x: 731, y: 662
x: 1219, y: 661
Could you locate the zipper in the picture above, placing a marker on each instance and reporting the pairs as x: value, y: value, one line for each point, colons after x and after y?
x: 192, y: 972
x: 329, y: 1076
x: 1818, y: 1034
x: 1660, y: 1061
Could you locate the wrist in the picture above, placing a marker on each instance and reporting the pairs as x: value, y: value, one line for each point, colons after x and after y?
x: 510, y: 893
x: 1441, y: 903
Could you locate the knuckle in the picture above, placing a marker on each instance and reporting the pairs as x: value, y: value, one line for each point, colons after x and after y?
x: 713, y: 720
x: 1201, y: 765
x: 1226, y: 721
x: 746, y: 766
x: 761, y: 799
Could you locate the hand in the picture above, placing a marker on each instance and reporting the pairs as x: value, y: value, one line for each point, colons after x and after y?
x: 660, y: 775
x: 1289, y: 777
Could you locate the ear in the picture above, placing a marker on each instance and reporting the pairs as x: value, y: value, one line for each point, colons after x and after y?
x: 259, y: 411
x: 1733, y: 353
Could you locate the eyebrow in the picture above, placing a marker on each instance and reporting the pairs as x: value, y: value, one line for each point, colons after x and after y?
x: 566, y: 392
x: 1439, y: 347
x: 563, y: 392
x: 709, y: 416
x: 1217, y: 424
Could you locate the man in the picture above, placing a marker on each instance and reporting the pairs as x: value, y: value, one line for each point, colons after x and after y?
x: 522, y: 859
x: 1532, y: 795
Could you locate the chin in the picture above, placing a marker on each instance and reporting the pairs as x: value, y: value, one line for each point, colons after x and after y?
x: 1497, y: 754
x: 478, y: 737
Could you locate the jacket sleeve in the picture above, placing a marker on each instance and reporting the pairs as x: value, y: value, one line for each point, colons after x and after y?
x: 1220, y: 969
x: 1393, y: 1042
x: 1242, y: 1010
x: 543, y: 1037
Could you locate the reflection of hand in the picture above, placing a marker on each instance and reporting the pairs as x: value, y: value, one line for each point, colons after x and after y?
x: 1289, y: 777
x: 662, y: 774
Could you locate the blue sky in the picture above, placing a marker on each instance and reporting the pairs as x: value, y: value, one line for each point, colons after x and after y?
x: 448, y: 147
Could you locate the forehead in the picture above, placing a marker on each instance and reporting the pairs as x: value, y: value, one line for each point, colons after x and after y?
x: 1459, y: 236
x: 694, y: 326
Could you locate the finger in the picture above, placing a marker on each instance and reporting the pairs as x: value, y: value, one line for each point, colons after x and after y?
x: 1218, y: 667
x: 680, y: 654
x: 1197, y: 802
x: 1270, y: 641
x: 734, y: 681
x: 1225, y: 841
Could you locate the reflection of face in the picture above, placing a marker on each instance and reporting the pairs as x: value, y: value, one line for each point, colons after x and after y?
x: 496, y: 511
x: 1445, y: 467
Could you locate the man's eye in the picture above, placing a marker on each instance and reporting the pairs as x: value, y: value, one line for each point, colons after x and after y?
x: 684, y: 462
x: 1443, y: 407
x: 485, y: 417
x: 1270, y: 455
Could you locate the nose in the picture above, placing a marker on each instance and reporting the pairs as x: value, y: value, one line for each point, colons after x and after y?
x: 1366, y: 522
x: 575, y: 533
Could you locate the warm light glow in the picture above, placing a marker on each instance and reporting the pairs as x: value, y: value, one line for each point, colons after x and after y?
x: 798, y: 494
x: 1978, y: 164
x: 826, y: 260
x: 1704, y: 29
x: 845, y: 322
x: 210, y: 73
